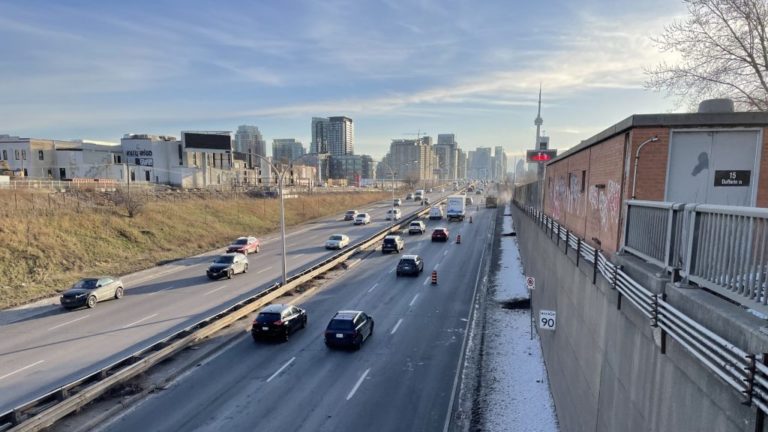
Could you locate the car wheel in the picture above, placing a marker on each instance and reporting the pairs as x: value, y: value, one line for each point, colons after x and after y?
x: 119, y: 293
x: 358, y: 343
x: 258, y: 249
x: 304, y: 323
x: 91, y: 302
x: 398, y: 274
x: 229, y: 274
x: 371, y: 333
x: 245, y: 269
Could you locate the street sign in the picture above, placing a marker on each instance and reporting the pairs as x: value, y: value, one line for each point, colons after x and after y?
x: 547, y: 319
x: 540, y: 156
x: 530, y: 282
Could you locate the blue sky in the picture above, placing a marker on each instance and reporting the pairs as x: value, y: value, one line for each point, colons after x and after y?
x: 97, y: 70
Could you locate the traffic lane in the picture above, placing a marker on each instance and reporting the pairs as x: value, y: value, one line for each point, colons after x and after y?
x: 313, y: 375
x: 53, y: 359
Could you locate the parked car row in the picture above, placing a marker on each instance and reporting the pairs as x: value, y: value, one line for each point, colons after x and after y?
x: 347, y: 328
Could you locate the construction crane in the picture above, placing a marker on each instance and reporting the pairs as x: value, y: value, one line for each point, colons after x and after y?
x: 418, y: 134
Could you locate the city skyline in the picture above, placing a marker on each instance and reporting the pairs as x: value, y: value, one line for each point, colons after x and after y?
x: 475, y: 72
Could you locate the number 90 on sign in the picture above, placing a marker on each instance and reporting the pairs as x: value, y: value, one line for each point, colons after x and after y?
x: 547, y: 319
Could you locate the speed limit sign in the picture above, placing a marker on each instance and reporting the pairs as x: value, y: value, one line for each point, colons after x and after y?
x: 530, y: 282
x: 547, y: 319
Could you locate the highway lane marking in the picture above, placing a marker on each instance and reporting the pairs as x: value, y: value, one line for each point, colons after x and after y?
x: 391, y: 270
x: 414, y: 299
x: 68, y: 322
x: 24, y: 368
x: 264, y: 269
x: 400, y: 321
x: 436, y: 266
x: 288, y: 363
x: 373, y: 287
x: 140, y: 321
x: 426, y: 281
x: 299, y: 255
x: 213, y: 291
x: 159, y: 291
x: 357, y: 385
x: 445, y: 252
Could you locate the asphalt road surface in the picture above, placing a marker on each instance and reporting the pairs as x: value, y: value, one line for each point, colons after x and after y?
x: 402, y: 379
x: 40, y: 354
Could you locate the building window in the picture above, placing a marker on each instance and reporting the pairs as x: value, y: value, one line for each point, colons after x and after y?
x: 23, y: 155
x: 16, y: 153
x: 583, y: 180
x: 181, y: 159
x: 40, y: 155
x: 118, y: 158
x: 5, y: 154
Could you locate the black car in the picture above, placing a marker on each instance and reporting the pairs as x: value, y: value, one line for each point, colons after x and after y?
x: 278, y: 321
x: 348, y: 329
x: 410, y: 265
x: 392, y: 243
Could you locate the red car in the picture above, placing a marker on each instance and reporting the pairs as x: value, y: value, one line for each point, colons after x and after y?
x: 245, y: 245
x: 440, y: 234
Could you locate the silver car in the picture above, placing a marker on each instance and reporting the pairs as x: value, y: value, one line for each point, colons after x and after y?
x: 89, y: 291
x: 228, y: 265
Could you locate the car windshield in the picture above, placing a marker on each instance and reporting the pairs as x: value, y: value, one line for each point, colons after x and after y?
x: 351, y: 212
x: 225, y: 259
x: 406, y: 261
x: 86, y: 284
x: 389, y: 241
x: 268, y: 317
x: 340, y: 324
x: 335, y: 237
x: 416, y: 224
x: 241, y: 241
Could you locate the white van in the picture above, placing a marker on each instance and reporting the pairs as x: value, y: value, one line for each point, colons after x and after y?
x: 394, y: 214
x: 419, y: 194
x: 435, y: 213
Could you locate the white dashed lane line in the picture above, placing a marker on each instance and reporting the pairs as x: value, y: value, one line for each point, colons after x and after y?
x: 213, y: 291
x: 33, y: 365
x: 414, y: 299
x: 288, y: 363
x: 373, y: 287
x: 400, y: 321
x: 357, y: 385
x: 69, y: 322
x: 139, y: 321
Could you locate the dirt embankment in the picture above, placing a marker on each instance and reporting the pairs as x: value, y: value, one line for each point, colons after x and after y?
x: 50, y: 240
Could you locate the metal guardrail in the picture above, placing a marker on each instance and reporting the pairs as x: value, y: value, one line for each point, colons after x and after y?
x: 720, y: 248
x: 45, y: 410
x: 746, y: 373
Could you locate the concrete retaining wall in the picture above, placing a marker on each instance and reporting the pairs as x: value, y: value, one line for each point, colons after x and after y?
x: 604, y: 361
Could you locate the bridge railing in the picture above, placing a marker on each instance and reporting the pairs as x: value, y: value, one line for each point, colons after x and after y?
x: 744, y: 372
x: 721, y: 248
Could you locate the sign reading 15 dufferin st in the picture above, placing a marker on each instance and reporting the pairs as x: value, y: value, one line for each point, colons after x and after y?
x: 732, y: 177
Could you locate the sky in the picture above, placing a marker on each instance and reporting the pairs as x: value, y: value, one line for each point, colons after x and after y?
x: 97, y: 70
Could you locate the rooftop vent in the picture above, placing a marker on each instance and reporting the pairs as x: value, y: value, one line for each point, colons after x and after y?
x: 711, y: 106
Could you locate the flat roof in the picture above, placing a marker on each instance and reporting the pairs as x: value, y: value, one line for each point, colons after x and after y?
x: 680, y: 120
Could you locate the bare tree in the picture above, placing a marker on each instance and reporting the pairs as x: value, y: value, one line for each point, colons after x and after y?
x: 723, y: 49
x: 131, y: 202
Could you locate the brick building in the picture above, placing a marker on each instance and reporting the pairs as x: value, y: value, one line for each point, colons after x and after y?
x: 706, y: 157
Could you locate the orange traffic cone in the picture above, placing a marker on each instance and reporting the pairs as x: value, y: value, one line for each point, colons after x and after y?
x: 434, y: 277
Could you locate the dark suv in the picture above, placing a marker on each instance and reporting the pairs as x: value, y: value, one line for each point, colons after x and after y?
x: 410, y: 265
x: 278, y: 321
x: 348, y: 329
x: 392, y: 243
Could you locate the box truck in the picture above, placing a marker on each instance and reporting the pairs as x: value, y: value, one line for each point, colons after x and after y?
x: 455, y: 207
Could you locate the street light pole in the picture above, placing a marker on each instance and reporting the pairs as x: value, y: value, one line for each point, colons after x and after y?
x: 282, y: 226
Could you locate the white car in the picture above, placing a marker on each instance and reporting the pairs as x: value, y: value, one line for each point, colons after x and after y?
x: 435, y: 213
x: 394, y: 214
x: 337, y: 241
x: 417, y: 227
x: 362, y: 219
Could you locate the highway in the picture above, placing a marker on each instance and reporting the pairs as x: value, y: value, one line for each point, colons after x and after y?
x: 403, y: 378
x: 40, y: 354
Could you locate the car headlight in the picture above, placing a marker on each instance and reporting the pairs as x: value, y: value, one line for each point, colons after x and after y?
x: 81, y: 295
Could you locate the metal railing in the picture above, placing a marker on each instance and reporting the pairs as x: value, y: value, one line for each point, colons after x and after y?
x: 746, y: 373
x: 721, y: 248
x: 45, y: 410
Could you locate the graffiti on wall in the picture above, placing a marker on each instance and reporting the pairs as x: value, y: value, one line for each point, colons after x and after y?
x: 605, y: 203
x: 574, y: 195
x: 558, y: 196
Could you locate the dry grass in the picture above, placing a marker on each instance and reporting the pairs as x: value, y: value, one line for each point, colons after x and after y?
x: 49, y: 241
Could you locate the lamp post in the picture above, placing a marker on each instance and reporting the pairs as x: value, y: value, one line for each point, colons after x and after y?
x: 280, y: 178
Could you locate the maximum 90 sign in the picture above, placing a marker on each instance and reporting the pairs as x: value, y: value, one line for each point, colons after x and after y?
x: 547, y: 319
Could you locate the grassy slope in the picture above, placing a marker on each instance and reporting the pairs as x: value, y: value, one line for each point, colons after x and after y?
x: 45, y: 251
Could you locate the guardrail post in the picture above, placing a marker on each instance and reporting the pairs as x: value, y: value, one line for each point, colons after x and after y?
x: 578, y: 250
x: 62, y: 394
x: 558, y: 235
x: 17, y: 417
x: 594, y: 266
x: 567, y: 237
x: 750, y: 379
